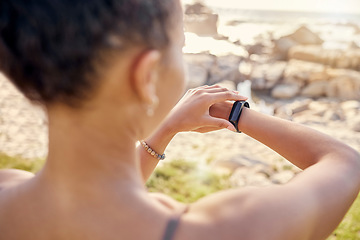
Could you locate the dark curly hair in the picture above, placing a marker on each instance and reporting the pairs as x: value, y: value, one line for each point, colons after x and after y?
x: 50, y: 48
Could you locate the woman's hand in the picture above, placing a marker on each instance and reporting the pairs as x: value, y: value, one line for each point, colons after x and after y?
x: 204, y: 109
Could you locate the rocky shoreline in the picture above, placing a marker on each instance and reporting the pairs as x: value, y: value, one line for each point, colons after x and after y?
x: 294, y: 76
x: 305, y: 60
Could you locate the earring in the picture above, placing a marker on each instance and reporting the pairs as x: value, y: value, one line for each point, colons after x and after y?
x: 150, y: 109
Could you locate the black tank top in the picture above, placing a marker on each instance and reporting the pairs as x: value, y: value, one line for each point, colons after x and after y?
x: 173, y: 224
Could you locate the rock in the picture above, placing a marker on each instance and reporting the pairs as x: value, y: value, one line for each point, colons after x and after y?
x: 275, y: 71
x: 318, y: 108
x: 204, y: 60
x: 200, y: 20
x: 282, y: 47
x: 354, y: 45
x: 300, y: 106
x: 196, y: 76
x: 310, y: 53
x: 351, y: 109
x: 250, y: 176
x: 355, y: 125
x: 315, y: 89
x: 202, y: 25
x: 301, y: 72
x: 282, y: 110
x: 228, y: 84
x: 304, y: 35
x: 285, y: 91
x: 245, y: 69
x: 197, y: 8
x: 344, y: 87
x: 336, y: 73
x: 197, y: 66
x: 225, y: 68
x: 257, y: 48
x: 351, y: 105
x: 334, y: 115
x: 266, y: 76
x: 333, y: 57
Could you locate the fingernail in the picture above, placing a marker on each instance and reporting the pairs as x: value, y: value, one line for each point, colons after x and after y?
x: 231, y: 128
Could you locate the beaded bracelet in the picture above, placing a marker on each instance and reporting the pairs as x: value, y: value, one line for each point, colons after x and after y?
x: 152, y: 152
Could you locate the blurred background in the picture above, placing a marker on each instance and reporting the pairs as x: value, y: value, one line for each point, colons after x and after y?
x: 298, y: 60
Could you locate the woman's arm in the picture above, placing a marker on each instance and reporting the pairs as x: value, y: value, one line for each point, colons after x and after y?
x: 202, y: 109
x: 158, y: 142
x: 309, y: 207
x: 300, y: 145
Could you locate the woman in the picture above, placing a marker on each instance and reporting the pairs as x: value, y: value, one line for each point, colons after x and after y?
x: 108, y: 72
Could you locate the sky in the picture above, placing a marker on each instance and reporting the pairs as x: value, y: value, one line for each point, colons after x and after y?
x: 337, y: 6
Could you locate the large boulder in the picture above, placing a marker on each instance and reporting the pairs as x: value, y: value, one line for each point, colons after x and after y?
x: 197, y: 8
x: 266, y: 76
x: 198, y: 66
x: 344, y: 87
x: 225, y: 68
x: 343, y: 84
x: 200, y: 20
x: 282, y: 47
x: 333, y: 57
x: 302, y: 72
x: 302, y: 36
x: 305, y: 36
x: 285, y: 91
x: 315, y: 89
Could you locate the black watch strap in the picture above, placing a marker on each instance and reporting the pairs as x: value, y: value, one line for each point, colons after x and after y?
x: 236, y: 113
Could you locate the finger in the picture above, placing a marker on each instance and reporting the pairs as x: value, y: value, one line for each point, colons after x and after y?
x: 211, y: 89
x: 206, y: 129
x: 226, y: 96
x: 218, y: 89
x: 214, y: 86
x: 219, y: 123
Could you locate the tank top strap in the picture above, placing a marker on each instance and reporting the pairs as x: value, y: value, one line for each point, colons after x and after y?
x: 173, y: 224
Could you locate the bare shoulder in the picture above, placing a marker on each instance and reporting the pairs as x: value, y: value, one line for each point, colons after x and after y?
x: 252, y: 213
x: 13, y: 177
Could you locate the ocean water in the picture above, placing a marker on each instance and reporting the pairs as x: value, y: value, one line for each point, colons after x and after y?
x: 288, y: 16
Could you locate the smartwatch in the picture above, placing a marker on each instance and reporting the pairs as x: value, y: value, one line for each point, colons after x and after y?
x: 236, y: 113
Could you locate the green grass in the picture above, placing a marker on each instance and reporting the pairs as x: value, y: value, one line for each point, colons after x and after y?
x: 187, y: 183
x: 183, y: 181
x: 7, y: 162
x: 349, y: 229
x: 180, y: 180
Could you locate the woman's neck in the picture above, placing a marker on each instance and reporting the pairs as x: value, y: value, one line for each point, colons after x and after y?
x: 89, y: 154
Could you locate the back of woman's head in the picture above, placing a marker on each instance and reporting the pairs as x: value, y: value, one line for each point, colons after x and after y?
x: 51, y: 49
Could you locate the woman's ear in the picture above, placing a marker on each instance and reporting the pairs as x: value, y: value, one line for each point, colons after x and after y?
x: 145, y: 76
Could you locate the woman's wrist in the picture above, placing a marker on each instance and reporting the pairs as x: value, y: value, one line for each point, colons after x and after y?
x: 161, y: 138
x: 242, y: 120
